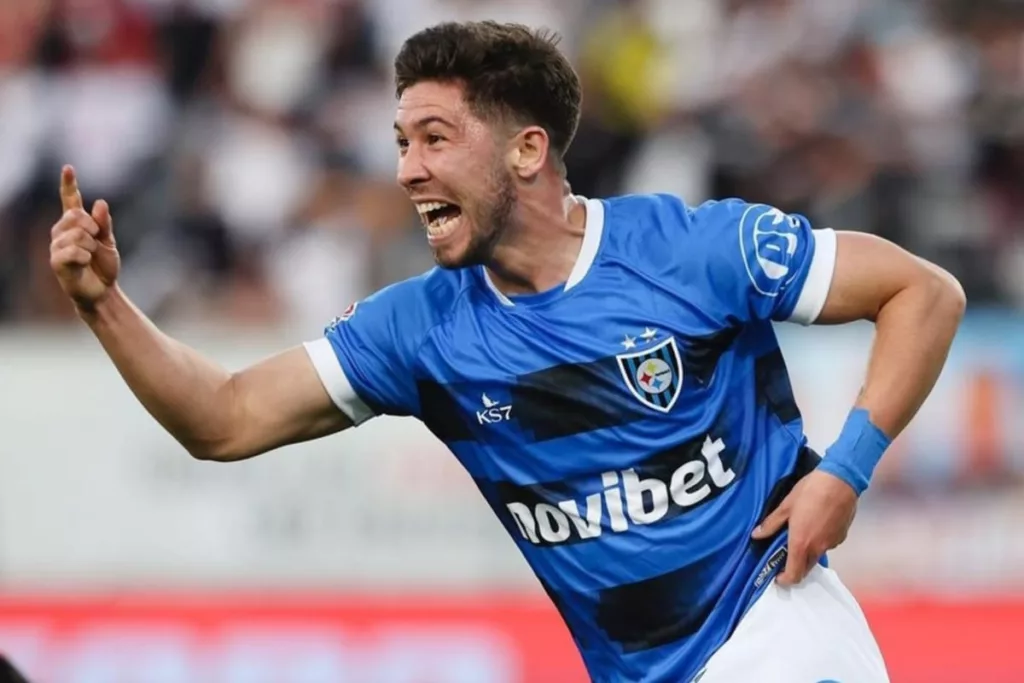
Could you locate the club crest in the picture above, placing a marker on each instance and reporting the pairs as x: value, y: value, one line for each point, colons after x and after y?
x: 655, y: 375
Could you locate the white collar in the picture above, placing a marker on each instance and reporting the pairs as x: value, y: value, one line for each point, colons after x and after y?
x: 593, y: 227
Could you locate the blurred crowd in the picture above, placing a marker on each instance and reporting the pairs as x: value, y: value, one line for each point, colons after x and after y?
x: 246, y: 149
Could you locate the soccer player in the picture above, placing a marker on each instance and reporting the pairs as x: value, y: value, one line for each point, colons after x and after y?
x: 606, y: 370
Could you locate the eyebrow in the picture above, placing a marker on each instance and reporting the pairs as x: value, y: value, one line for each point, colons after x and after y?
x: 426, y: 121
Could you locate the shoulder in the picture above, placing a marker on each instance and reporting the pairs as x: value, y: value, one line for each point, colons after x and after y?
x: 667, y: 224
x: 641, y: 226
x: 406, y: 311
x: 651, y: 217
x: 660, y: 232
x: 641, y: 212
x: 433, y: 293
x: 752, y: 259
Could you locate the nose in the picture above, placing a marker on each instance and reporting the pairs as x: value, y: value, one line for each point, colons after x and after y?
x: 411, y: 169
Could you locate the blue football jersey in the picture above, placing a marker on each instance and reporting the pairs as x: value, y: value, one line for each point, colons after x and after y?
x: 629, y: 428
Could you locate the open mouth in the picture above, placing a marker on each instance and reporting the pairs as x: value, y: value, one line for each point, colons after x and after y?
x: 439, y: 218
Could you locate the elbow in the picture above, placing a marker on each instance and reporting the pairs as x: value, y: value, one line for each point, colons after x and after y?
x: 214, y: 452
x: 229, y: 448
x: 944, y: 297
x: 207, y: 455
x: 950, y: 298
x: 222, y: 438
x: 200, y: 453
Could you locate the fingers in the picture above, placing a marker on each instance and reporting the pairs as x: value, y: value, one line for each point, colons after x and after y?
x: 72, y: 248
x: 774, y: 522
x: 71, y: 255
x: 104, y: 221
x: 75, y: 238
x: 70, y: 197
x: 791, y: 575
x: 75, y: 219
x: 799, y: 561
x: 801, y: 557
x: 99, y: 223
x: 78, y: 234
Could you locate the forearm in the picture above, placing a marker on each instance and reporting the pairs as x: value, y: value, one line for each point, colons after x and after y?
x: 185, y: 392
x: 913, y: 334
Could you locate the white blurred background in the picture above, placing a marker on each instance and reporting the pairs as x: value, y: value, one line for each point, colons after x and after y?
x: 245, y: 147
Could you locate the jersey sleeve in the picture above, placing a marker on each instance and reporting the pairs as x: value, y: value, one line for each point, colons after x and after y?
x: 366, y: 357
x: 762, y: 263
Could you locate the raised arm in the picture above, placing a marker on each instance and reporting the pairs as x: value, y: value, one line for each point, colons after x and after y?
x: 213, y: 413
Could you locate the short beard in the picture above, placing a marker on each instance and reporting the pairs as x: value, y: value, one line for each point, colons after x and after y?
x: 492, y: 225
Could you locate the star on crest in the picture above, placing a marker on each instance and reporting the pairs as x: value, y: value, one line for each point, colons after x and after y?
x: 629, y: 342
x: 649, y: 334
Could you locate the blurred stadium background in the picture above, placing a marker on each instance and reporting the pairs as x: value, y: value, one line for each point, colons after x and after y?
x: 246, y: 149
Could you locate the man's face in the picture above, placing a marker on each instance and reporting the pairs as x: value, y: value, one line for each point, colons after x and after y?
x: 452, y: 164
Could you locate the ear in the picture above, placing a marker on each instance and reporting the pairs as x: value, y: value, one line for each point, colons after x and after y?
x: 529, y: 152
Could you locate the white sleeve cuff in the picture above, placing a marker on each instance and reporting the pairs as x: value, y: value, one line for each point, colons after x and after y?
x: 819, y: 279
x: 336, y: 382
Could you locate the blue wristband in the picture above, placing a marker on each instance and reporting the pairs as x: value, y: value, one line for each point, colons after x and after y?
x: 856, y: 452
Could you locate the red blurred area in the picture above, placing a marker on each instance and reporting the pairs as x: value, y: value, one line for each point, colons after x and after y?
x: 504, y: 639
x: 105, y: 32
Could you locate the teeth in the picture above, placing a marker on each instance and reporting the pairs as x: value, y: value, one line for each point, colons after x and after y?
x: 438, y: 222
x: 440, y: 226
x: 425, y: 207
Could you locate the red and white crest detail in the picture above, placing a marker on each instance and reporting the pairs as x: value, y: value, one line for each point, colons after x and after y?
x: 348, y: 312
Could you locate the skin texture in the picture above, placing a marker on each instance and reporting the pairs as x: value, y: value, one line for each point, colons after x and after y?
x: 502, y: 177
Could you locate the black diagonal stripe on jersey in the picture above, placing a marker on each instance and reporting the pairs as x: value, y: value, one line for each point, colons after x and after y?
x: 700, y: 355
x: 773, y: 388
x: 572, y: 399
x: 441, y: 413
x: 657, y: 611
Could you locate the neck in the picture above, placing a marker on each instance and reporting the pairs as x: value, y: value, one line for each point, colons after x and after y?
x: 542, y: 248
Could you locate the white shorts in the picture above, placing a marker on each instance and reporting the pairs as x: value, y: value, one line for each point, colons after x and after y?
x: 814, y: 632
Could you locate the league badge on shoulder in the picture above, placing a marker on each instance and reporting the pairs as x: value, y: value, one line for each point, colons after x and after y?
x: 348, y: 312
x: 653, y: 375
x: 345, y: 315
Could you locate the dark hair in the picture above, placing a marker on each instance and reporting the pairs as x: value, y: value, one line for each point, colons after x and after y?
x: 507, y: 70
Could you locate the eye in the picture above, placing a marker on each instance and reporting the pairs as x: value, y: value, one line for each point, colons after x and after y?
x: 403, y: 144
x: 434, y: 138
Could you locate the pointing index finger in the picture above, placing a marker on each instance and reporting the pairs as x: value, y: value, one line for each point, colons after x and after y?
x: 70, y: 197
